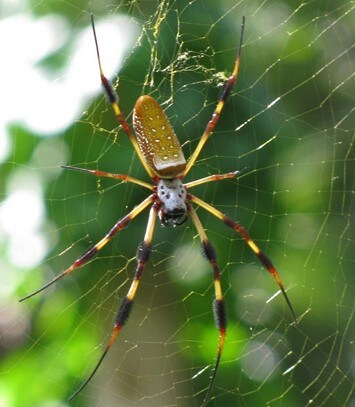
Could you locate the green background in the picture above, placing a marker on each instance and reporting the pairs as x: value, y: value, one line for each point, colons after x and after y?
x: 293, y: 194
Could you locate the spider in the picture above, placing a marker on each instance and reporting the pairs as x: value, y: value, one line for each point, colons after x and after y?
x: 161, y: 155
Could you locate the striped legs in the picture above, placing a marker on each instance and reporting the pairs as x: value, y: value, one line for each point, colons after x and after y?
x: 113, y: 98
x: 219, y: 310
x: 221, y: 102
x: 264, y: 260
x: 122, y: 177
x: 90, y: 253
x: 210, y: 178
x: 209, y: 253
x: 127, y: 302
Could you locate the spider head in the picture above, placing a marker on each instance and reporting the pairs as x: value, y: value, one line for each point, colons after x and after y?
x: 172, y: 197
x: 173, y: 218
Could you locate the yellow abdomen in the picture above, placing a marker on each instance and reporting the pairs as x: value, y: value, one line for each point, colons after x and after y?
x: 156, y: 138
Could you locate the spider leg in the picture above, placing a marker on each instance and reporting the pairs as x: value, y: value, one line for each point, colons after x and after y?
x: 113, y: 98
x: 220, y: 104
x: 214, y: 177
x: 127, y: 302
x: 123, y: 177
x: 220, y: 315
x: 90, y: 253
x: 264, y: 260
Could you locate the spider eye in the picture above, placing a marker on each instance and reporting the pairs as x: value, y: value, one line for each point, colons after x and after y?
x: 175, y: 217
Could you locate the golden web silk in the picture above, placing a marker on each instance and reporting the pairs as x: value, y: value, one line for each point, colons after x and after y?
x: 157, y: 140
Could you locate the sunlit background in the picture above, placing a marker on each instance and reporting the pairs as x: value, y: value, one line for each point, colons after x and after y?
x: 288, y: 127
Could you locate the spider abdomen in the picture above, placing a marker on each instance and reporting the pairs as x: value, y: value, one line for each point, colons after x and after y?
x: 172, y: 196
x: 156, y: 139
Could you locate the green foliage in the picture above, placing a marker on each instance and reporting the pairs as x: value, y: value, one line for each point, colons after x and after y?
x: 286, y: 128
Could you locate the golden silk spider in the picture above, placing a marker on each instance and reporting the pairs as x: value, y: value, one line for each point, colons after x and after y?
x: 161, y: 155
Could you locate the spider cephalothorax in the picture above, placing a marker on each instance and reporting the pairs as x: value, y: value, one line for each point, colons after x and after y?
x: 172, y: 195
x: 160, y: 152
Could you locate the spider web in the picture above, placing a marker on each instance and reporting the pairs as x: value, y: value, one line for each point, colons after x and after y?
x: 288, y: 129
